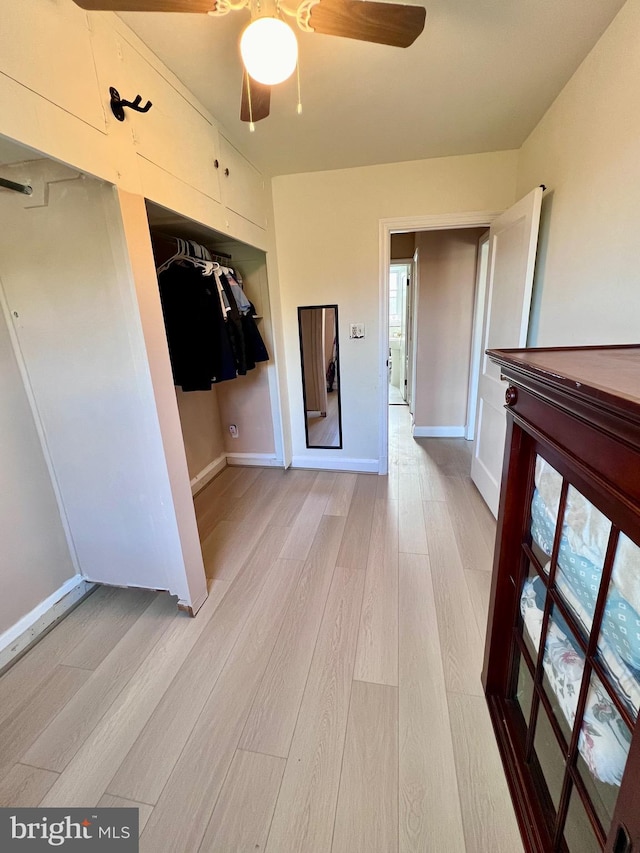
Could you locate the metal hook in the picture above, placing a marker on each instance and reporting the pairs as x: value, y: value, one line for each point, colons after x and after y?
x: 118, y: 104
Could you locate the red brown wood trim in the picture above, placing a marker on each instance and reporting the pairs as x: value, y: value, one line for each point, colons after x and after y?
x: 617, y: 506
x: 576, y: 382
x: 504, y: 594
x: 534, y: 811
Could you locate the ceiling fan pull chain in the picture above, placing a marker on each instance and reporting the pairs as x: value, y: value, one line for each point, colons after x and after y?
x: 299, y: 107
x: 252, y: 126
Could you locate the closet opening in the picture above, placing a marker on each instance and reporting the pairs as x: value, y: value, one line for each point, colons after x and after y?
x: 215, y: 301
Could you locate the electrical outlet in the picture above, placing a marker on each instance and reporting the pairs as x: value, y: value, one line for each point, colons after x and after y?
x: 233, y: 429
x: 356, y: 330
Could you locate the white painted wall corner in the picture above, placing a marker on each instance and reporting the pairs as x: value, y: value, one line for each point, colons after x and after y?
x: 16, y: 639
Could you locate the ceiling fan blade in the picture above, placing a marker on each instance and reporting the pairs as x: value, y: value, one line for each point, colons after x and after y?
x: 147, y: 5
x: 260, y: 100
x: 382, y: 23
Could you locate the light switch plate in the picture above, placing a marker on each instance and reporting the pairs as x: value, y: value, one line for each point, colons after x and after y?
x: 356, y: 330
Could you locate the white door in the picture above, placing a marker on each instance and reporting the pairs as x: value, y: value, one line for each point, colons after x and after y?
x: 513, y: 239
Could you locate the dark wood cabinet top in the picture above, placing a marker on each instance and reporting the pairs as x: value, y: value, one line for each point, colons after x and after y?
x: 608, y: 376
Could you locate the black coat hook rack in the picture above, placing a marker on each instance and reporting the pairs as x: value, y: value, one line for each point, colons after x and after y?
x: 118, y: 104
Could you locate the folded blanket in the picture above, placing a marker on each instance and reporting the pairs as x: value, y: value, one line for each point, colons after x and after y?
x: 579, y: 581
x: 624, y: 678
x: 587, y: 529
x: 604, y: 738
x: 626, y: 571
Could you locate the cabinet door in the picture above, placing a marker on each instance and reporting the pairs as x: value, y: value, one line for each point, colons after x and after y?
x: 242, y: 185
x: 47, y: 48
x: 576, y: 663
x: 173, y: 134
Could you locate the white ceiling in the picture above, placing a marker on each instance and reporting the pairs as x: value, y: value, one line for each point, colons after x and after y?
x: 479, y: 78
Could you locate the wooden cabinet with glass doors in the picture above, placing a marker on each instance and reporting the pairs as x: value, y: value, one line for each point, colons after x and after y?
x: 562, y: 660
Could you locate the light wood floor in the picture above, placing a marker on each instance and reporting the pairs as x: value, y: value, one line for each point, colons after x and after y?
x: 326, y: 698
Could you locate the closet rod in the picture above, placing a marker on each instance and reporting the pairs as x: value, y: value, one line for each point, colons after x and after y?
x: 18, y: 188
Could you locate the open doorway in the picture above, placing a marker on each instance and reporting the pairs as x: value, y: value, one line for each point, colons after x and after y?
x: 443, y: 321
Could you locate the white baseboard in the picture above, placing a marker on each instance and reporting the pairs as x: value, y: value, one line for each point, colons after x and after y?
x: 207, y: 474
x: 439, y: 432
x: 263, y: 460
x: 336, y: 463
x: 16, y: 639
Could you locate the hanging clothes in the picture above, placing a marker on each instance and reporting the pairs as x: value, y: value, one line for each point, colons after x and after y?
x: 199, y: 346
x: 210, y: 339
x: 234, y: 329
x: 255, y: 344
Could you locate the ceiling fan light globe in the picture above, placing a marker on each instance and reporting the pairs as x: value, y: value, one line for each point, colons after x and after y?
x: 269, y: 50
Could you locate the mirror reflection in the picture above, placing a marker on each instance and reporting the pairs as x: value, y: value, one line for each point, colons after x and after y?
x: 318, y: 330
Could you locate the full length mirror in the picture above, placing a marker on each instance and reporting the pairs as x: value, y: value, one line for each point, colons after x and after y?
x: 319, y: 355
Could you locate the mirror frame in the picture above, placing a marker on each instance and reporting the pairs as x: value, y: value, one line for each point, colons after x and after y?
x: 338, y: 446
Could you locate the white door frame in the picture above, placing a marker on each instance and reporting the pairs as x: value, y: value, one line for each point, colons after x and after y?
x: 413, y: 337
x: 399, y: 225
x: 482, y: 269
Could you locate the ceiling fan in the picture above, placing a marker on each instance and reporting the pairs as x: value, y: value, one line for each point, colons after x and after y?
x: 268, y: 39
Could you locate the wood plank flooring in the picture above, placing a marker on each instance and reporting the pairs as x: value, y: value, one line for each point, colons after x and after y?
x: 326, y: 699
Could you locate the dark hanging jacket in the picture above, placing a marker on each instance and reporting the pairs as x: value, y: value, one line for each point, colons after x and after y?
x: 199, y: 346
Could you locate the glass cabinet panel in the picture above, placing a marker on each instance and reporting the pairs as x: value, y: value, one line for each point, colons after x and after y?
x: 544, y: 509
x: 619, y: 639
x: 583, y: 546
x: 549, y: 756
x: 575, y: 697
x: 603, y: 747
x: 563, y: 666
x: 524, y: 690
x: 532, y: 602
x: 578, y: 832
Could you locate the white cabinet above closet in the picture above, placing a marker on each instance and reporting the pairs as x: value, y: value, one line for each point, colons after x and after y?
x: 46, y: 48
x: 242, y: 185
x: 174, y: 134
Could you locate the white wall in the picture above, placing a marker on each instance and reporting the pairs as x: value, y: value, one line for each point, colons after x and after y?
x: 201, y: 430
x: 586, y: 150
x: 327, y: 227
x: 34, y: 555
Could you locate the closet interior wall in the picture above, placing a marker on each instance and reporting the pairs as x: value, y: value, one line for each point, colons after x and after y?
x: 205, y: 416
x: 95, y: 495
